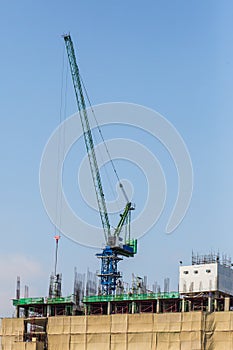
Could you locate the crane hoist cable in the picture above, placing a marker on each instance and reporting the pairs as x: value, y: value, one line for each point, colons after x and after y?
x: 105, y: 145
x: 106, y: 148
x: 62, y: 111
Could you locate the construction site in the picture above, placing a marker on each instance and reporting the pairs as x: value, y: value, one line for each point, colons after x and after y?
x: 101, y: 312
x: 198, y: 316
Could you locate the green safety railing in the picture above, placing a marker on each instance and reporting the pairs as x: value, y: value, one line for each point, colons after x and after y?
x: 97, y: 298
x: 28, y: 301
x: 128, y: 297
x: 69, y: 299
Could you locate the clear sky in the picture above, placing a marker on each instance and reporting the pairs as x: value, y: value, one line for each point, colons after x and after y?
x: 175, y: 57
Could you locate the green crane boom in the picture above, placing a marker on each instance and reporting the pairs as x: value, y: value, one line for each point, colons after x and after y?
x: 87, y: 136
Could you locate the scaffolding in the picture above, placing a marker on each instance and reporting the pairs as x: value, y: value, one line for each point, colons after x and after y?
x: 211, y: 258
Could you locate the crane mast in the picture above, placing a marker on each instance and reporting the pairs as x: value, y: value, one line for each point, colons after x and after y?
x: 115, y: 246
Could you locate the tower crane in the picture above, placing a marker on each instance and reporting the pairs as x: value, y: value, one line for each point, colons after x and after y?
x: 116, y: 246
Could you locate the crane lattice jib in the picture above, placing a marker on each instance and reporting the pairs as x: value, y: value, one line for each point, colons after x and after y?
x: 123, y: 219
x: 87, y: 136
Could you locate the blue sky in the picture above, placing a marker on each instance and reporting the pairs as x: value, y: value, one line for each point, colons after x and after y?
x: 175, y: 57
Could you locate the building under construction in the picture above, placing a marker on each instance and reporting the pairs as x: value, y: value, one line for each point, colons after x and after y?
x: 109, y: 316
x: 198, y: 316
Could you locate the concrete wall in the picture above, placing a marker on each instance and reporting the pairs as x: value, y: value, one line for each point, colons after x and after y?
x: 206, y: 278
x: 198, y: 278
x: 225, y: 279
